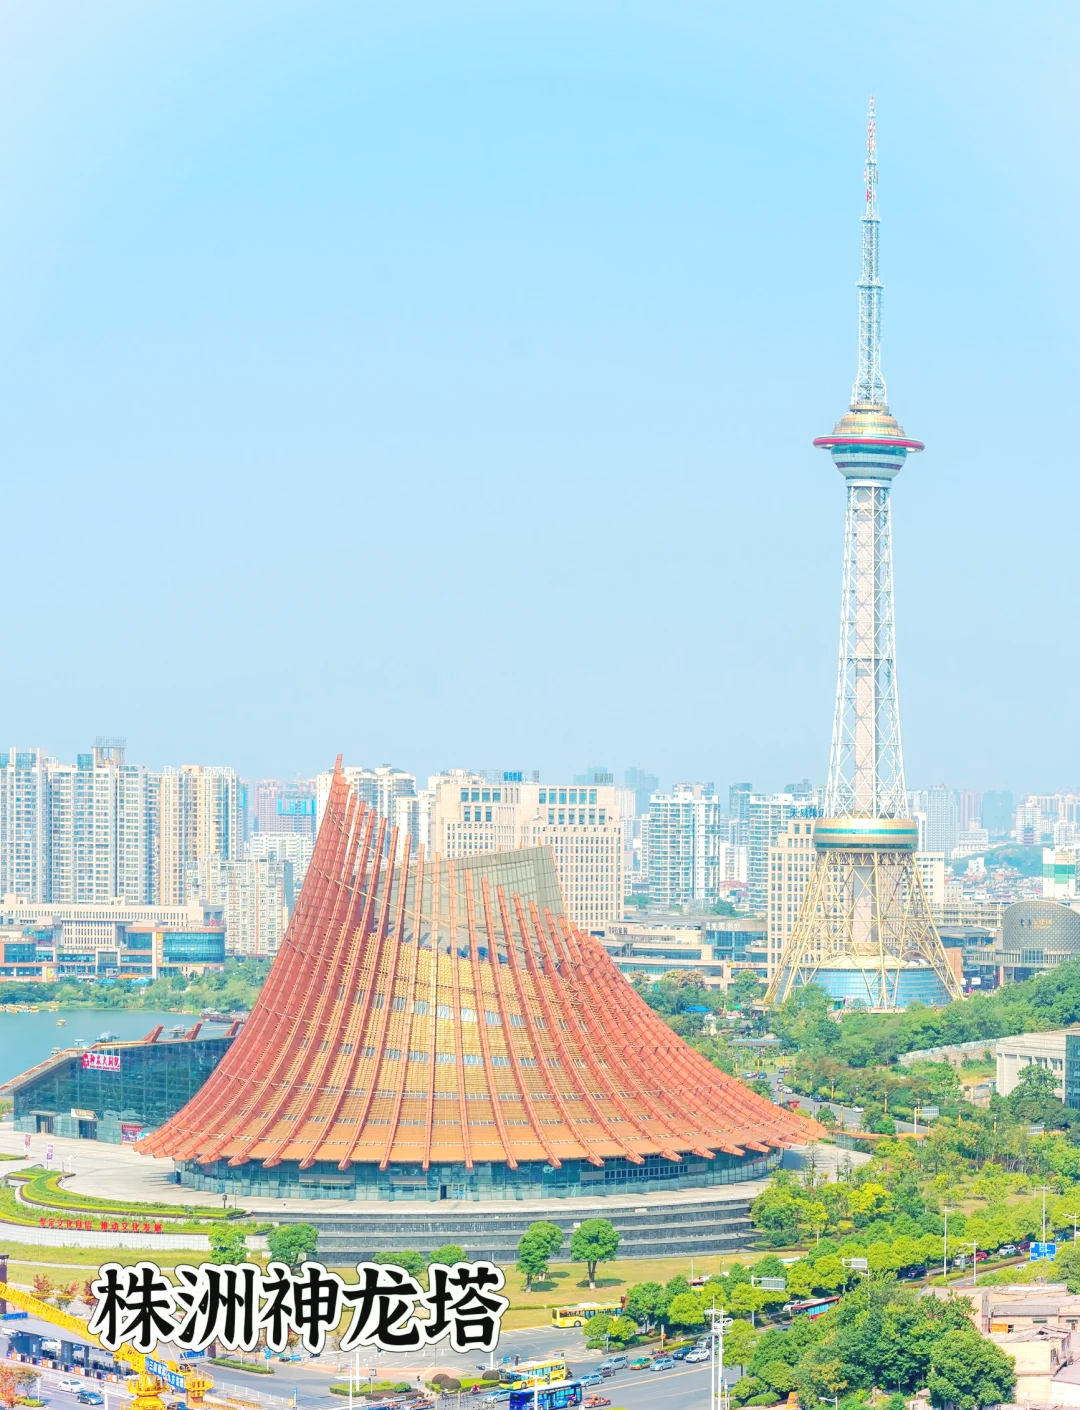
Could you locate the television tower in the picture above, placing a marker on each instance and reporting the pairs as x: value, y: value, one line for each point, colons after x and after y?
x: 864, y: 929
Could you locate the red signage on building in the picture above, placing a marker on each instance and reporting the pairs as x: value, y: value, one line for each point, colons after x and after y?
x: 105, y: 1062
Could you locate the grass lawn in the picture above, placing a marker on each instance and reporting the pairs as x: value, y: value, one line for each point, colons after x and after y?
x: 566, y: 1282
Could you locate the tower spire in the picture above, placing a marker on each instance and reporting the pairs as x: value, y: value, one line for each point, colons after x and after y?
x: 865, y: 930
x: 869, y: 389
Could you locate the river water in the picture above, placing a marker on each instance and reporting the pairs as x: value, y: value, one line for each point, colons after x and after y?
x: 29, y: 1038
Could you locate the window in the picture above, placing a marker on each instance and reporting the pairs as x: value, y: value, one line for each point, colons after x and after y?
x: 496, y: 795
x: 464, y: 795
x: 487, y: 814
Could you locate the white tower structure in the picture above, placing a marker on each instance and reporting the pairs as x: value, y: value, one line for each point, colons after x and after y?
x: 865, y: 931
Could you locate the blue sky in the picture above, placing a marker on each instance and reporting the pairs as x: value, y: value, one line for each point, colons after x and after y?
x: 437, y: 383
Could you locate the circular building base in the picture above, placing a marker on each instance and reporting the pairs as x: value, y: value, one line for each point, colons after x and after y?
x: 531, y: 1180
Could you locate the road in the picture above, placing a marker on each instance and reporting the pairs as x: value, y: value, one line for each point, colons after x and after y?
x: 685, y: 1388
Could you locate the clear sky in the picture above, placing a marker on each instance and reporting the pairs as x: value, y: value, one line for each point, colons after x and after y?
x: 436, y: 382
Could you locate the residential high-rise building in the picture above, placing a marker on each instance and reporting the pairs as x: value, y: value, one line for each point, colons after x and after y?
x: 201, y: 818
x: 942, y: 823
x: 380, y: 788
x: 292, y: 847
x: 690, y: 853
x: 254, y: 895
x: 24, y: 825
x: 1059, y: 873
x: 739, y: 795
x: 865, y: 931
x: 102, y: 827
x: 580, y: 823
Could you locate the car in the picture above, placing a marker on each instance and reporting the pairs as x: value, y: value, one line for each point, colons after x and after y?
x: 699, y: 1353
x: 664, y: 1363
x: 592, y: 1378
x: 611, y: 1364
x: 680, y: 1353
x: 69, y: 1383
x: 497, y: 1397
x: 596, y: 1400
x: 90, y: 1397
x: 641, y: 1363
x: 1007, y: 1251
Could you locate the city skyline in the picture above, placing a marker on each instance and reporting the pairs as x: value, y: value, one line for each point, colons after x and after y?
x: 327, y: 336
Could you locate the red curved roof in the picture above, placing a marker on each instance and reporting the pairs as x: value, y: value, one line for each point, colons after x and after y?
x: 422, y: 1010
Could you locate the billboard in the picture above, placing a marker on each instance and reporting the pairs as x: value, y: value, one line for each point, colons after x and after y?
x: 102, y: 1062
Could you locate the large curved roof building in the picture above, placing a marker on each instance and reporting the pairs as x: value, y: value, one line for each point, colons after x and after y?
x: 437, y: 1029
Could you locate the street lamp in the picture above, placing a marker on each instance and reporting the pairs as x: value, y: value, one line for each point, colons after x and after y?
x: 720, y: 1323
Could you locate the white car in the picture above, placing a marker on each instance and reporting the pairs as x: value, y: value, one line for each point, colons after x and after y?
x: 700, y: 1354
x: 69, y: 1383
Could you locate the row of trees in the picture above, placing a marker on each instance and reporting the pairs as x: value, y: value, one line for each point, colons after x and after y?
x: 593, y: 1242
x: 880, y: 1335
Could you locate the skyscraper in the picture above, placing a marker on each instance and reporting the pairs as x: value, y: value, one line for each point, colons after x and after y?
x: 942, y: 825
x: 864, y: 930
x: 201, y: 817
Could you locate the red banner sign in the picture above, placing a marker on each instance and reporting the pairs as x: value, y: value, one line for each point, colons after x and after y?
x: 105, y: 1062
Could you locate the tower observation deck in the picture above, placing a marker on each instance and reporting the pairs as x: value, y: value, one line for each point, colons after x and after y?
x: 865, y: 930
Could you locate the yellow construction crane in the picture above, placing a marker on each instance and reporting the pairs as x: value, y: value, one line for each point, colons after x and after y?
x: 153, y: 1376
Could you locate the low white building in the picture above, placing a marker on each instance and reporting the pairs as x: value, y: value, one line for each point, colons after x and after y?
x: 1043, y: 1049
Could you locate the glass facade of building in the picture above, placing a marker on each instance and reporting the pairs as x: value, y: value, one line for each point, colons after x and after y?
x: 494, y: 1181
x: 142, y: 1086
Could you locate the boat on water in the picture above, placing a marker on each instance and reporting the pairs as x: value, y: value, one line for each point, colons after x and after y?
x: 60, y: 1022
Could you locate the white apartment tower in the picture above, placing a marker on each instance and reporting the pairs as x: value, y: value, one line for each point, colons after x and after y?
x: 24, y: 831
x: 687, y: 848
x: 379, y: 788
x: 201, y: 817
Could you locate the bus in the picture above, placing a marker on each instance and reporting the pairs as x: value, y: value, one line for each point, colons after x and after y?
x: 812, y: 1307
x: 579, y: 1313
x: 554, y: 1397
x: 538, y: 1373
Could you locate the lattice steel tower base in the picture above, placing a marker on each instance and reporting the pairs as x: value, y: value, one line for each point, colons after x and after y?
x: 865, y: 916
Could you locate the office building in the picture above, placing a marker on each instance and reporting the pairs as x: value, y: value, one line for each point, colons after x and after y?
x: 971, y: 843
x: 791, y: 861
x: 76, y: 938
x: 715, y: 949
x: 473, y: 1046
x: 470, y: 815
x: 201, y: 819
x: 969, y: 809
x: 768, y: 816
x: 1059, y: 873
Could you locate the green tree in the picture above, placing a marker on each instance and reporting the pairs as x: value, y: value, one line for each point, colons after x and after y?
x: 536, y: 1248
x: 740, y: 1342
x: 594, y: 1241
x: 414, y: 1263
x: 778, y: 1376
x: 645, y: 1302
x: 969, y: 1372
x: 448, y: 1254
x: 686, y: 1310
x: 293, y: 1244
x: 228, y: 1246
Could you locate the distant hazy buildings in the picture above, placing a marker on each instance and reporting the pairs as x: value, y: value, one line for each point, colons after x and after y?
x: 380, y: 788
x: 255, y: 897
x: 280, y: 807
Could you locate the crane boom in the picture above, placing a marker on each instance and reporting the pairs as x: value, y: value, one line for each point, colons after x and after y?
x: 148, y: 1386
